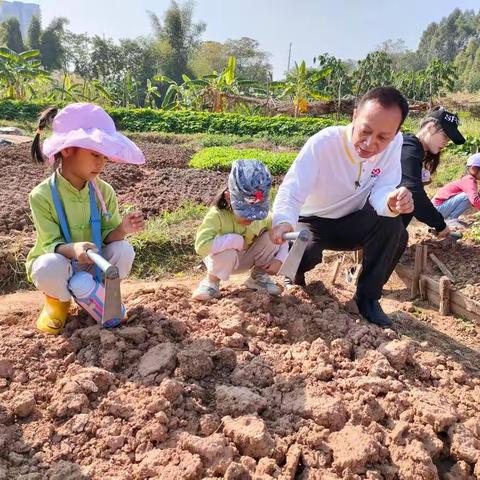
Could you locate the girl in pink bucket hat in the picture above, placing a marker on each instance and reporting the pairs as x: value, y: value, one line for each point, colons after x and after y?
x: 73, y: 210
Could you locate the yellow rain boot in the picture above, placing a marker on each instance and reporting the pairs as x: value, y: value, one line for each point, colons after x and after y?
x: 53, y: 316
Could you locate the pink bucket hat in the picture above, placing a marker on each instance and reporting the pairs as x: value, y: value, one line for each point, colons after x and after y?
x: 85, y: 125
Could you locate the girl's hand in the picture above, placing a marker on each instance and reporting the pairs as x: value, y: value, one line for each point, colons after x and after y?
x: 132, y: 223
x: 80, y: 251
x: 273, y: 267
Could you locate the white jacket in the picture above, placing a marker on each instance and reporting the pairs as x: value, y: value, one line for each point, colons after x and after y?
x: 328, y: 179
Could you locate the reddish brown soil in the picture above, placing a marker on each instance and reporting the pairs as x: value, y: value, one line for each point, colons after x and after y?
x: 246, y: 387
x: 162, y: 184
x: 243, y: 387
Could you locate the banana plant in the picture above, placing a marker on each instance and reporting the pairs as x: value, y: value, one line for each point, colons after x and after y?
x: 220, y: 84
x: 210, y: 90
x: 151, y: 94
x: 300, y: 86
x: 82, y: 91
x: 19, y: 72
x: 181, y: 95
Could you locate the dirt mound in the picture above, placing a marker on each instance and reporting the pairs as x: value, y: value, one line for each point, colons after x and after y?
x: 244, y: 387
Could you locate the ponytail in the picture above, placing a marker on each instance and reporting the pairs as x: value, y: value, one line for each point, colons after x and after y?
x: 220, y: 201
x: 45, y: 120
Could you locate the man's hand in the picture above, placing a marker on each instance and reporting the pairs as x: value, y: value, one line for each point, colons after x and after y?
x: 444, y: 233
x: 273, y: 267
x: 80, y: 251
x: 400, y: 201
x: 276, y: 233
x: 132, y: 223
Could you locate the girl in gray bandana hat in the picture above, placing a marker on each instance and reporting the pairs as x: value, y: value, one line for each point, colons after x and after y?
x: 233, y: 237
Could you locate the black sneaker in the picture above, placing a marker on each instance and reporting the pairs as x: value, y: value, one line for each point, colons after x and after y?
x: 371, y: 310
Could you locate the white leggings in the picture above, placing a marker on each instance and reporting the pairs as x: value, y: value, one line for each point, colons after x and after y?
x: 228, y: 262
x: 52, y: 271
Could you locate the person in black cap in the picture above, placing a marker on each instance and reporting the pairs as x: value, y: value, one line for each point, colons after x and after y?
x: 420, y: 159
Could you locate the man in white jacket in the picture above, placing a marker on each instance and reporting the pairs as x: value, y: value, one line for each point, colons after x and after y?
x: 343, y: 187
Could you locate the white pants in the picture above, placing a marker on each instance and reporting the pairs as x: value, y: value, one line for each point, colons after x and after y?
x: 228, y: 262
x: 52, y: 271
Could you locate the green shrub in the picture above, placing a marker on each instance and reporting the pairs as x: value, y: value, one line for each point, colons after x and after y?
x: 199, y: 122
x: 17, y: 110
x: 471, y: 146
x: 452, y: 167
x: 221, y: 158
x: 148, y: 120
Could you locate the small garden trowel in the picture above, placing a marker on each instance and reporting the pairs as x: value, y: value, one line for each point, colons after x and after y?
x: 452, y: 236
x: 112, y: 305
x: 291, y: 263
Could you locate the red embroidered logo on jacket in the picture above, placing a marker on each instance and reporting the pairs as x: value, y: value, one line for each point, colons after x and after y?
x: 375, y: 172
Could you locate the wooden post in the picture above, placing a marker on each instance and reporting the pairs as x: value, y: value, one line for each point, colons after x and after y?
x: 444, y: 290
x: 358, y: 256
x: 422, y: 286
x: 425, y: 258
x: 417, y: 270
x: 336, y: 269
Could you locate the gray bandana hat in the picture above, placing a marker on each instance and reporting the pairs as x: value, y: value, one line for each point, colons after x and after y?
x: 249, y: 185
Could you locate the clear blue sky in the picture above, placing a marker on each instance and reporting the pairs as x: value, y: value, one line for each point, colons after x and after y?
x: 344, y: 28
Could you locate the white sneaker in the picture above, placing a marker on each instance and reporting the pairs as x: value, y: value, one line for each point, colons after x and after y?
x: 206, y: 290
x: 262, y: 281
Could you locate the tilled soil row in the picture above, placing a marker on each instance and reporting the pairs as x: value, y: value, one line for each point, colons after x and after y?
x: 165, y: 170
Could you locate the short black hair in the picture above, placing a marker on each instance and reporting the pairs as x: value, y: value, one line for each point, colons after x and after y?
x: 387, y: 97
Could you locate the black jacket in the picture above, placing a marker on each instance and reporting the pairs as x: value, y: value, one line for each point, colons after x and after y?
x: 412, y: 163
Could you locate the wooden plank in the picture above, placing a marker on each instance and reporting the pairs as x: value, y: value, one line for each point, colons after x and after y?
x: 431, y: 289
x: 466, y: 304
x: 336, y: 270
x: 460, y: 305
x: 444, y: 290
x: 443, y: 268
x: 417, y: 270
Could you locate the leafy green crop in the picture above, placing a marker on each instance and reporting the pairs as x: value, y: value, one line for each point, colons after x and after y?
x: 221, y: 158
x: 148, y: 120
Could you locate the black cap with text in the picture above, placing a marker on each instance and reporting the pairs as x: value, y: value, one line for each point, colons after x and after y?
x: 449, y: 123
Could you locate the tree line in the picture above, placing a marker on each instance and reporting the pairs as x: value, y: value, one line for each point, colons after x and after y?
x: 173, y: 68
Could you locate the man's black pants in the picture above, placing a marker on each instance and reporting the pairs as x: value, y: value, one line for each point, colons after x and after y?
x: 383, y: 240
